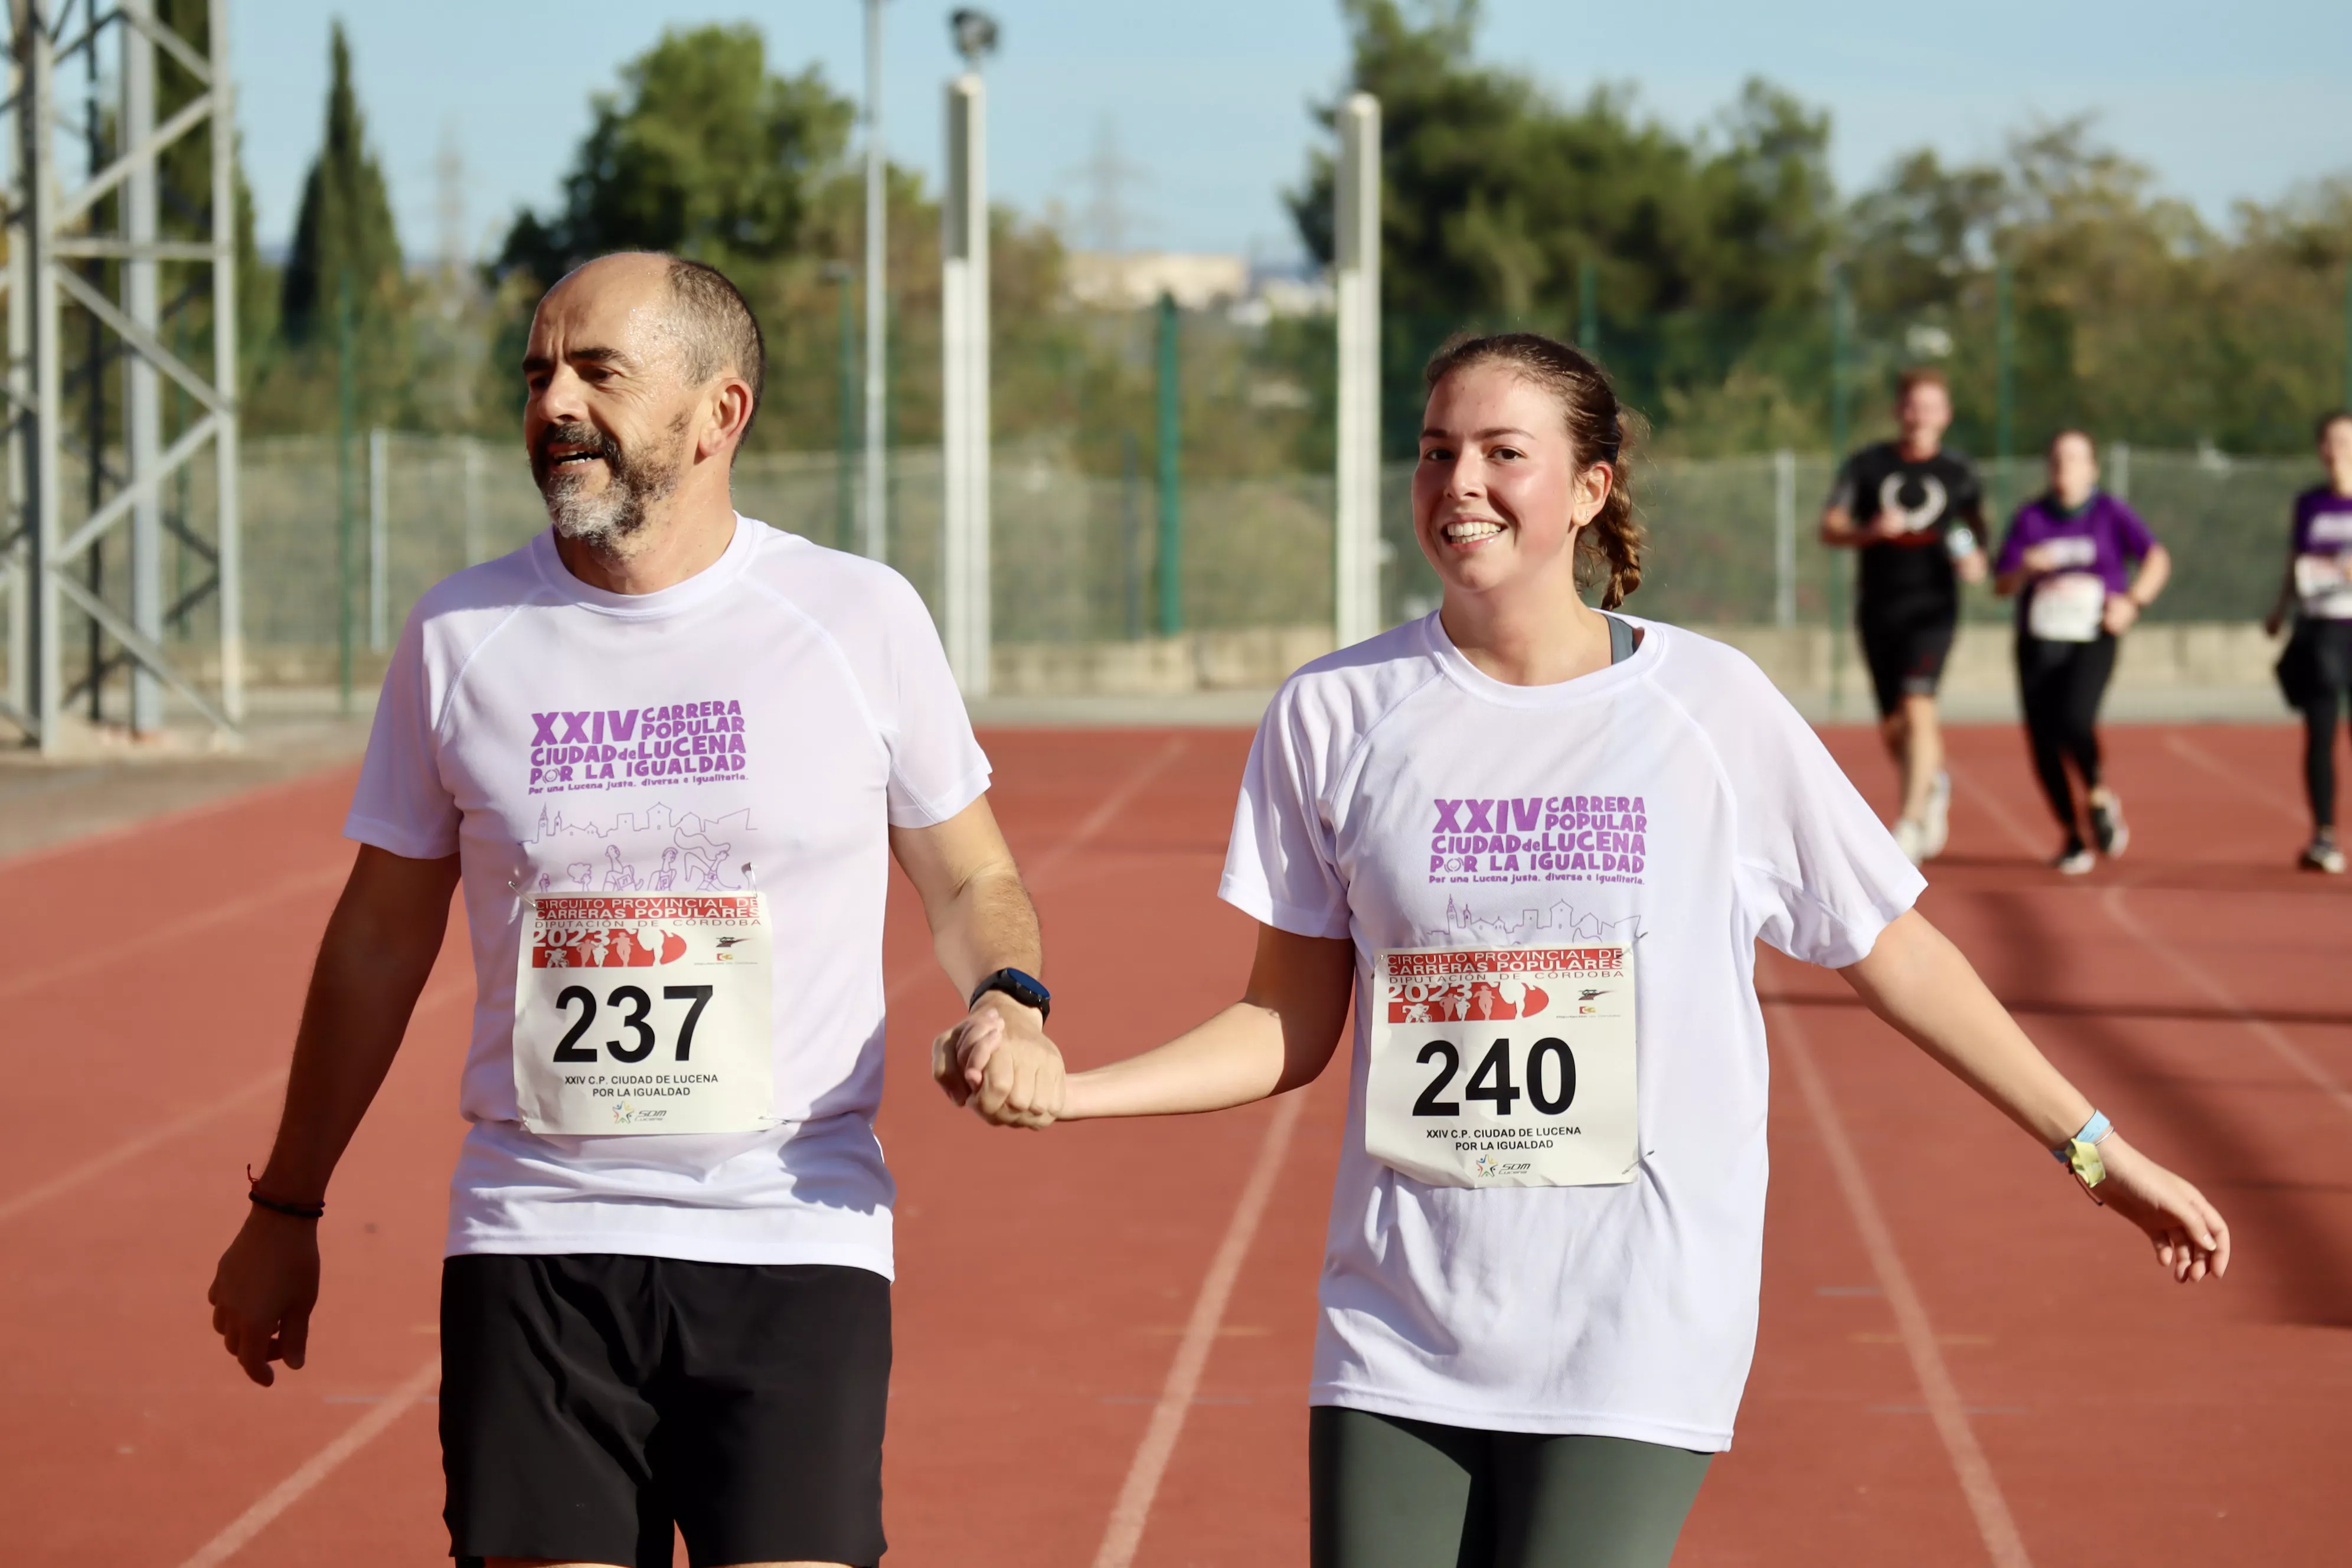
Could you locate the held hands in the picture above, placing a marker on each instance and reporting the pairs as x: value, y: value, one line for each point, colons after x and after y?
x: 998, y: 1062
x: 263, y: 1291
x: 2192, y: 1237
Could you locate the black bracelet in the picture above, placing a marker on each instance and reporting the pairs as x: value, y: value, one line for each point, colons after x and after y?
x: 291, y: 1211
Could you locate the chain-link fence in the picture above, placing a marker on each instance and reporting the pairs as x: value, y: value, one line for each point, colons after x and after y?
x: 1077, y: 557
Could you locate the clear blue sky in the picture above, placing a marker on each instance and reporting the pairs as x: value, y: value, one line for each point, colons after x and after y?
x: 1209, y: 98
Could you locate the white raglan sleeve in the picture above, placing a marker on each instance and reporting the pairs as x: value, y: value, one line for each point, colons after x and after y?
x: 1279, y: 864
x: 1820, y: 875
x: 400, y: 804
x: 937, y: 767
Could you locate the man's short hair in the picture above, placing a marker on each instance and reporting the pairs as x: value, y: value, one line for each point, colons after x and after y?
x: 716, y: 329
x: 1920, y: 376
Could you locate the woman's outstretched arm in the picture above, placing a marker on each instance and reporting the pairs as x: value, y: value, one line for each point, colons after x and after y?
x: 1279, y: 1035
x: 1919, y: 983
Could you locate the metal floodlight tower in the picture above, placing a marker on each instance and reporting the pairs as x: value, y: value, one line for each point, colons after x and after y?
x: 1356, y: 535
x: 964, y: 345
x: 50, y: 229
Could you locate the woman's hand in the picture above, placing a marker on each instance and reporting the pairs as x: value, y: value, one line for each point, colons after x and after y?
x: 2122, y: 613
x: 2192, y: 1237
x: 997, y: 1060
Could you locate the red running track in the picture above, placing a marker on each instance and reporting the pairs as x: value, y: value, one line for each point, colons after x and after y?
x: 1961, y: 1360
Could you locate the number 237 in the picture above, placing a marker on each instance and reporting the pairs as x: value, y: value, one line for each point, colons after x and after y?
x: 636, y: 1019
x: 1492, y: 1081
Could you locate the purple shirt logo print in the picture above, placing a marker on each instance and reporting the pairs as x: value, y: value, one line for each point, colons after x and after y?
x: 611, y: 748
x: 1538, y: 839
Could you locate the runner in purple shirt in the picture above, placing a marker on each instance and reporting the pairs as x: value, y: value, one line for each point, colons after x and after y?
x: 2317, y: 665
x: 2084, y: 566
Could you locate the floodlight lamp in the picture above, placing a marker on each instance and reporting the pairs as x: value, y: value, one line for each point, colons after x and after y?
x: 974, y: 32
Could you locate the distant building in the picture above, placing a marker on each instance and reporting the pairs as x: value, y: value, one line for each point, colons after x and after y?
x: 1199, y: 280
x: 1125, y: 280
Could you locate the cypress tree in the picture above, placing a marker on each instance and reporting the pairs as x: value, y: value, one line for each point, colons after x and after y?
x: 345, y: 228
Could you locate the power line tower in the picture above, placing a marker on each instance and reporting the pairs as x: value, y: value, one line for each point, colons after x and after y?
x: 96, y: 233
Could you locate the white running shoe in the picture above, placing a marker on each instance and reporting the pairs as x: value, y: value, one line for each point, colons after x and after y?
x: 2323, y: 856
x: 1911, y: 838
x: 1935, y: 827
x: 2109, y: 831
x: 2075, y: 860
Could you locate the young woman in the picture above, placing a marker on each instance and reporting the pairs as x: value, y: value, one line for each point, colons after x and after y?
x: 1535, y: 845
x: 2085, y: 566
x: 2317, y: 665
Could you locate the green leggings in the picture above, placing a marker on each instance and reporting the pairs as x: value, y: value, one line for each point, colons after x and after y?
x: 1386, y: 1492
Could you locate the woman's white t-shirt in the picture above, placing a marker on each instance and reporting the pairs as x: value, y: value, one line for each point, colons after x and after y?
x: 1398, y: 797
x: 764, y: 723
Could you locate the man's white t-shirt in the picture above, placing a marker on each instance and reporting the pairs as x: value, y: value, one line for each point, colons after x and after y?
x: 1397, y: 797
x: 779, y: 710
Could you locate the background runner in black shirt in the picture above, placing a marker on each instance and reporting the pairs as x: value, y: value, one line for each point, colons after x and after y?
x: 1915, y: 511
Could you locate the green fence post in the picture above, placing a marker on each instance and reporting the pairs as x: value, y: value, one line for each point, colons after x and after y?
x: 2348, y: 337
x: 345, y: 418
x: 844, y: 480
x: 1841, y: 419
x: 1172, y: 498
x: 2004, y: 348
x: 1588, y: 308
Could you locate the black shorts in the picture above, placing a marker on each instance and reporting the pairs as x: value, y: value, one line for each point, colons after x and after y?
x: 590, y: 1400
x: 1906, y: 657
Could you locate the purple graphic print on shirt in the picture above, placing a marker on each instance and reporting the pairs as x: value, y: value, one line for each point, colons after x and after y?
x: 2104, y: 539
x: 2323, y: 523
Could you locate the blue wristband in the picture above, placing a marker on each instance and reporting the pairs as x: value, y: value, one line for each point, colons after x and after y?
x: 2094, y: 1130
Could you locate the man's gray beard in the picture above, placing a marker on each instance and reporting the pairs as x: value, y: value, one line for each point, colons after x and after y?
x: 610, y: 520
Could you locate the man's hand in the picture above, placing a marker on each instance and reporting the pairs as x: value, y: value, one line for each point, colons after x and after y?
x: 2121, y: 614
x: 263, y: 1291
x: 998, y: 1062
x: 2039, y: 559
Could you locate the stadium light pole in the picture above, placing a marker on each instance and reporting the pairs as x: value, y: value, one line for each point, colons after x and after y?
x: 964, y: 367
x: 1356, y: 532
x: 872, y: 519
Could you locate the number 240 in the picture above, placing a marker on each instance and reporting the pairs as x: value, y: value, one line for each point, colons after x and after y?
x: 640, y: 1007
x: 1492, y: 1081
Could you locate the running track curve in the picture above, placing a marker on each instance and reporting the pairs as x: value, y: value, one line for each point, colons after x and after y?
x: 1103, y: 1331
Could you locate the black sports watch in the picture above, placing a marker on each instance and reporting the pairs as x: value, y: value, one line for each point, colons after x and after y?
x: 1026, y: 989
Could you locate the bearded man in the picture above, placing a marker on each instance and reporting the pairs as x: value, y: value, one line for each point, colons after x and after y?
x: 665, y: 1295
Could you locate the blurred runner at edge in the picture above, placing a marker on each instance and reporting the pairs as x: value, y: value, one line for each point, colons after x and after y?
x: 2315, y: 670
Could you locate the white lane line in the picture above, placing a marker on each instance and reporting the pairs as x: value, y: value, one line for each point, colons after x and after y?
x: 1124, y: 1532
x: 2190, y: 750
x: 110, y: 953
x: 132, y: 1148
x: 167, y: 821
x: 2111, y: 901
x: 2262, y: 1029
x: 2003, y: 1545
x: 1104, y: 815
x: 2018, y: 832
x: 1041, y: 869
x: 317, y: 1467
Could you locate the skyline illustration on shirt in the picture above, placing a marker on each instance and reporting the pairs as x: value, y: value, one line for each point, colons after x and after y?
x: 1464, y: 927
x: 698, y: 857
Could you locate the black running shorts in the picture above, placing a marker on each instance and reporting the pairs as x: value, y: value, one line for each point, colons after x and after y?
x: 590, y: 1400
x: 1905, y: 657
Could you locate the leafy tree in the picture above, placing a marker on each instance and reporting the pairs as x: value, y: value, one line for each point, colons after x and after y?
x: 1497, y: 198
x: 345, y: 228
x: 702, y: 152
